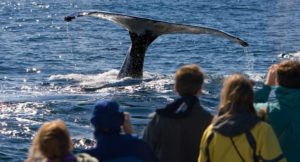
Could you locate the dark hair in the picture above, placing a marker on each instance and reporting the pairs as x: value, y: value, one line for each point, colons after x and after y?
x: 288, y: 74
x: 237, y: 96
x: 188, y: 80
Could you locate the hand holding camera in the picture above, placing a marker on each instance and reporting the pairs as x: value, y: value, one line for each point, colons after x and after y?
x: 127, y: 127
x: 271, y: 79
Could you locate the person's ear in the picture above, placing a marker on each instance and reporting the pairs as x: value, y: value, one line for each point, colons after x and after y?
x: 174, y: 89
x: 199, y: 92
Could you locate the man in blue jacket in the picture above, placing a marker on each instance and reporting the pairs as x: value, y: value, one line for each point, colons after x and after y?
x: 112, y: 145
x: 283, y: 112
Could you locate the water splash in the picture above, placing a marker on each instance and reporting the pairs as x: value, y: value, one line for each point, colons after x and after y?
x: 69, y: 35
x: 290, y: 56
x: 249, y: 56
x: 89, y: 80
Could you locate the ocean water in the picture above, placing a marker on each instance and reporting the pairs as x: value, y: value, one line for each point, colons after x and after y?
x: 49, y: 68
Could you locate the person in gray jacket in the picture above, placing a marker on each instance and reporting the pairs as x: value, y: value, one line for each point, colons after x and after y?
x: 175, y: 131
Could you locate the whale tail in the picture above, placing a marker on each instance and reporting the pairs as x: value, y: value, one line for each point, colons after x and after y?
x: 144, y: 31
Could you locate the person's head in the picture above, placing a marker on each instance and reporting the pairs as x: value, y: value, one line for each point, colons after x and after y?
x: 288, y: 74
x: 189, y: 80
x: 53, y: 140
x: 107, y: 117
x: 237, y: 96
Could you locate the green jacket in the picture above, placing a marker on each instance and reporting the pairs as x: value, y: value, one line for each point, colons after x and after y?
x: 283, y: 114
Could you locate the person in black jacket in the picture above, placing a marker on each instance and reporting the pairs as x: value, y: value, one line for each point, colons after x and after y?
x: 175, y: 131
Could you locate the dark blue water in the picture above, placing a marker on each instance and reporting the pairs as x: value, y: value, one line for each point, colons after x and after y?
x: 46, y: 63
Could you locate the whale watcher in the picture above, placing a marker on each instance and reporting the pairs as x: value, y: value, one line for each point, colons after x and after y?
x: 52, y: 143
x: 283, y: 110
x: 175, y: 131
x: 237, y: 134
x: 113, y: 145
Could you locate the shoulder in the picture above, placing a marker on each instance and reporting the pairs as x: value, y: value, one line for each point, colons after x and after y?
x: 203, y: 113
x: 130, y: 137
x: 262, y: 125
x: 207, y: 113
x: 134, y: 141
x: 203, y: 110
x: 158, y: 119
x: 154, y: 117
x: 262, y: 129
x: 84, y: 157
x: 208, y: 131
x: 136, y: 144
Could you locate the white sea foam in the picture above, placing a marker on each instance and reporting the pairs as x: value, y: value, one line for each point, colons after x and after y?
x: 98, y: 79
x: 257, y: 77
x: 290, y: 56
x: 107, y: 82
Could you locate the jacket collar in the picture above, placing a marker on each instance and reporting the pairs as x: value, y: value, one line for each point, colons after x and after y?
x: 180, y: 108
x: 235, y: 124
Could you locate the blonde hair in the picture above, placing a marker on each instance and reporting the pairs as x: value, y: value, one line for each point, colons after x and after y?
x: 236, y: 96
x: 52, y: 141
x: 188, y: 80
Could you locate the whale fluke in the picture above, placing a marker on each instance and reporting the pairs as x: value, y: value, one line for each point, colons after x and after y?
x: 143, y: 32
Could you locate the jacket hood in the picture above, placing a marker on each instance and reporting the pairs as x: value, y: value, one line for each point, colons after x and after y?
x: 289, y: 96
x: 180, y: 108
x: 235, y: 124
x: 107, y: 117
